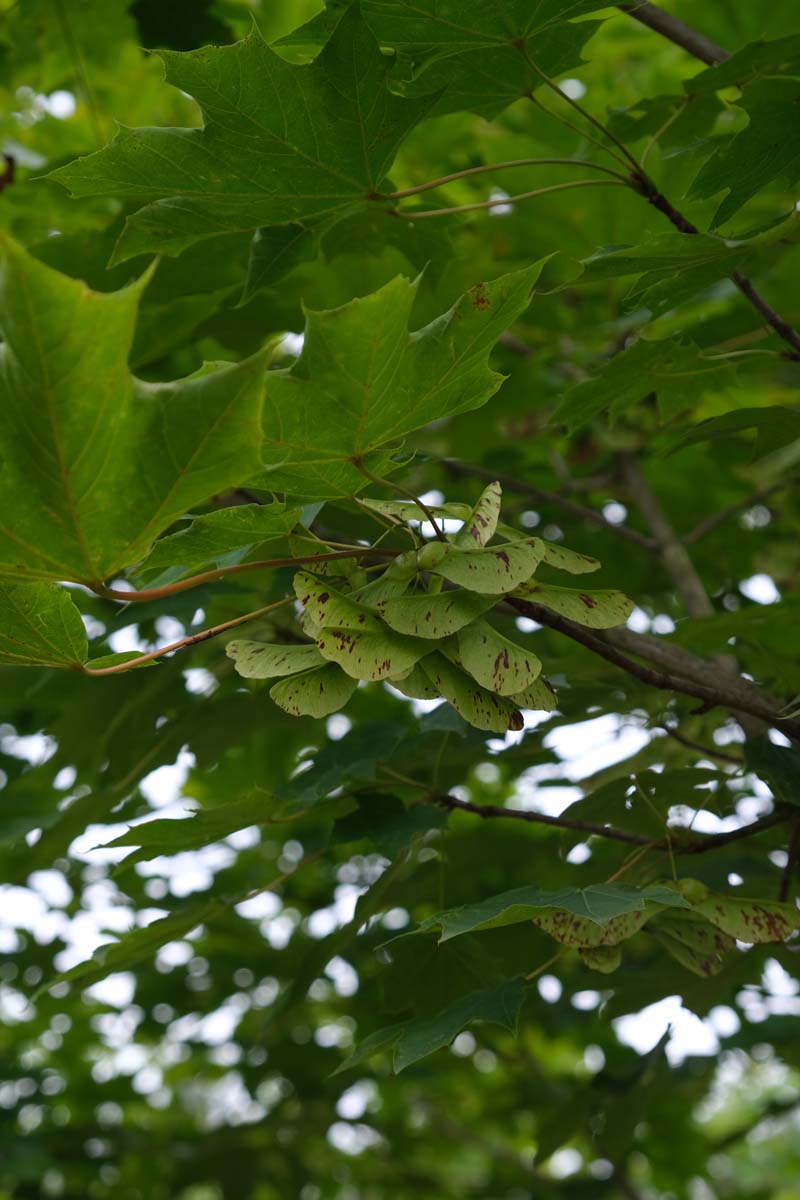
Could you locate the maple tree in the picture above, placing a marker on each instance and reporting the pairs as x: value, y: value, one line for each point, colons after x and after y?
x: 301, y: 473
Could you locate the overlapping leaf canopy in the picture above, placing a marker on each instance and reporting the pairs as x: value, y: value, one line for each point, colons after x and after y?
x: 410, y: 830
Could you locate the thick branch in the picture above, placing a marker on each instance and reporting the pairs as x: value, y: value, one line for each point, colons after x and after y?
x: 725, y: 690
x: 455, y: 467
x: 676, y: 31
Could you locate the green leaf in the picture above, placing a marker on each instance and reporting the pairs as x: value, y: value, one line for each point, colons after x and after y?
x: 218, y: 538
x: 492, y: 571
x: 776, y: 427
x: 495, y: 662
x: 280, y: 144
x: 754, y: 61
x: 673, y: 267
x: 40, y: 627
x: 413, y: 1040
x: 315, y: 693
x: 674, y: 372
x: 202, y: 828
x: 262, y: 660
x: 77, y: 429
x: 475, y: 704
x: 475, y: 49
x: 434, y: 616
x: 596, y: 905
x: 275, y: 252
x: 766, y: 150
x: 363, y: 381
x: 778, y: 766
x: 140, y: 945
x: 596, y: 610
x: 366, y: 654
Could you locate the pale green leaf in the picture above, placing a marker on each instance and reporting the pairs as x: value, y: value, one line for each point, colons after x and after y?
x: 475, y: 704
x: 495, y: 662
x: 324, y: 607
x: 434, y: 616
x: 262, y: 660
x: 494, y: 570
x: 539, y: 696
x: 315, y: 693
x: 479, y: 527
x: 371, y: 654
x: 596, y: 610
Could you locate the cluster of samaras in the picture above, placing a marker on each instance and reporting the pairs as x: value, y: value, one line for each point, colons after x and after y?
x: 422, y: 625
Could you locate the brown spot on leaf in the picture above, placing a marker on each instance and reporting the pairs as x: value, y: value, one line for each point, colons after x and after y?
x: 479, y: 296
x: 589, y: 601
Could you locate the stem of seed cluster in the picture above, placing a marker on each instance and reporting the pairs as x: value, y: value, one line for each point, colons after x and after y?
x: 192, y: 640
x: 397, y: 487
x: 556, y: 187
x: 503, y: 166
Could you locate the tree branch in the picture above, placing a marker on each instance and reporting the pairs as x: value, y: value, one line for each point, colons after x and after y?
x: 706, y: 751
x: 783, y: 329
x: 676, y: 31
x: 700, y: 844
x: 727, y: 691
x: 457, y: 468
x: 193, y: 640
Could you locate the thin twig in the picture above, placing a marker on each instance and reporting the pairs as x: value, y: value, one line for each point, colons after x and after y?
x: 181, y: 585
x: 587, y: 116
x: 503, y: 166
x: 545, y: 191
x: 701, y: 845
x: 398, y: 487
x: 710, y: 523
x: 456, y: 467
x: 706, y: 751
x: 193, y: 640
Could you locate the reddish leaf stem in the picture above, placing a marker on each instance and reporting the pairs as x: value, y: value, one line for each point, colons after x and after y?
x: 193, y: 640
x: 182, y: 585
